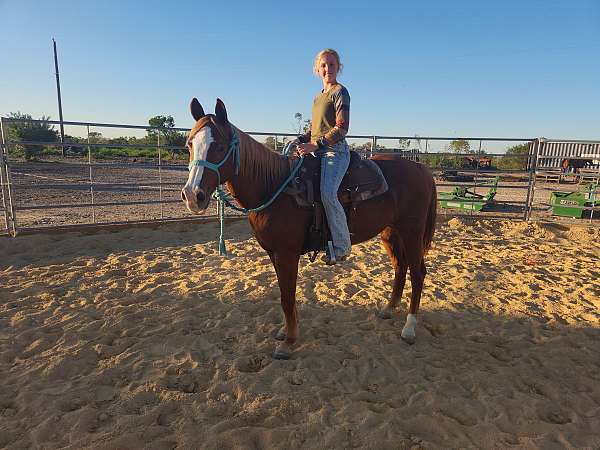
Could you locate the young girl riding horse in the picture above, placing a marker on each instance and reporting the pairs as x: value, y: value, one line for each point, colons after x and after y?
x: 330, y: 121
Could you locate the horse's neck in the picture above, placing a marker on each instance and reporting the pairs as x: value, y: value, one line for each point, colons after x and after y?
x: 261, y: 173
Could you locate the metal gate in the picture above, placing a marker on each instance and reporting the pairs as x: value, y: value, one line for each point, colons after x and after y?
x: 553, y: 182
x: 522, y: 194
x: 8, y: 209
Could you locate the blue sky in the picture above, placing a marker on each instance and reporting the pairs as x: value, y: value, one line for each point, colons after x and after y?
x: 438, y: 68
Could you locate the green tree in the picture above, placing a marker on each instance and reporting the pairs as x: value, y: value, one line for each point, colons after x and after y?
x: 515, y: 157
x: 403, y: 144
x: 366, y: 148
x: 119, y: 140
x: 168, y: 136
x: 31, y: 131
x: 298, y: 118
x: 457, y: 146
x: 306, y: 126
x: 161, y: 122
x: 460, y: 146
x: 302, y: 125
x: 96, y: 137
x: 270, y: 142
x: 438, y: 161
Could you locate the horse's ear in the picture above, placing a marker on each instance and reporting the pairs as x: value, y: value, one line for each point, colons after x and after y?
x: 196, y: 109
x: 220, y: 111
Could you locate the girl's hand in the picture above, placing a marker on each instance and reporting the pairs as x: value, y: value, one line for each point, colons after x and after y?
x: 304, y: 149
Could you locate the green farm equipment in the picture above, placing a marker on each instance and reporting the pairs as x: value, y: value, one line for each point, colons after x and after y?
x: 462, y: 198
x: 571, y: 204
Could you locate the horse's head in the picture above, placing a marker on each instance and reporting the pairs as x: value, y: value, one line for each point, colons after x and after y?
x: 212, y: 156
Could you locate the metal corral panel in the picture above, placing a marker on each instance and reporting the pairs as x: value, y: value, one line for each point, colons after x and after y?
x: 552, y: 153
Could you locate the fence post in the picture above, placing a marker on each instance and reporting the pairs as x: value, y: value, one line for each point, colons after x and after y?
x: 91, y: 176
x: 3, y: 184
x: 476, y: 179
x: 373, y: 145
x: 532, y: 157
x: 7, y: 203
x: 160, y: 193
x: 593, y: 203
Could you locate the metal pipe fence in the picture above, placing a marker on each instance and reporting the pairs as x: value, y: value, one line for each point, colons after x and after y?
x: 101, y: 181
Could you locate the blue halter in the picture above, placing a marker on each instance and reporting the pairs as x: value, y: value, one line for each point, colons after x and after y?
x: 234, y: 147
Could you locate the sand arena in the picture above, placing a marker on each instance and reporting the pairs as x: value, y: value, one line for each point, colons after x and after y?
x: 146, y: 338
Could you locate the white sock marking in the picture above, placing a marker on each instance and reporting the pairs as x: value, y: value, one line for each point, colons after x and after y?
x: 409, y: 328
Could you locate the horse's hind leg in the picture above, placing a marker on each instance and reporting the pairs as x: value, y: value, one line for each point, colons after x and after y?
x: 414, y: 256
x: 394, y: 247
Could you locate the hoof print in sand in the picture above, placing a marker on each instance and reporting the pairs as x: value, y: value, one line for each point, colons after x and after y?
x: 555, y: 416
x: 251, y: 364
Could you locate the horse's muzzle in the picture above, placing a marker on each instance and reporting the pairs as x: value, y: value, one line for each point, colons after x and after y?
x: 195, y: 199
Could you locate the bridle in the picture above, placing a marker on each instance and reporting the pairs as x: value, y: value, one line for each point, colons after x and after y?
x: 234, y: 148
x: 226, y: 199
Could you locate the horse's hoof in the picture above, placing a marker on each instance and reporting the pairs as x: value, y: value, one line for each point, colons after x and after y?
x: 281, y: 335
x: 281, y: 353
x: 409, y: 339
x: 384, y: 313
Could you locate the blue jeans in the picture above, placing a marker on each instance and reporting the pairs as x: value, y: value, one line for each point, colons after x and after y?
x: 334, y: 163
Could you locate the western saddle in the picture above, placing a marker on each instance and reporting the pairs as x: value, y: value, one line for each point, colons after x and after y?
x: 363, y: 180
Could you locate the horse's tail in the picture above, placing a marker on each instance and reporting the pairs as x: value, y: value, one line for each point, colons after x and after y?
x: 431, y: 215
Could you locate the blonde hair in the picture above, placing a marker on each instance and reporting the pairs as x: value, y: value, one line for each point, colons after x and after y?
x: 323, y: 53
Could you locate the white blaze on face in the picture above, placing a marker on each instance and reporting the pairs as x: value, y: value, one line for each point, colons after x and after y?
x: 200, y: 145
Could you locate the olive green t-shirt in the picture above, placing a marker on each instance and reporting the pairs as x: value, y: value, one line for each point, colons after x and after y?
x: 330, y: 109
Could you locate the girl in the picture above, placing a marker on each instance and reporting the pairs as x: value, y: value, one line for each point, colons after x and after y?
x: 330, y: 121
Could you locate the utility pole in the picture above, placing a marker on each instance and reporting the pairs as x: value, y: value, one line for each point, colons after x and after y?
x: 62, y: 128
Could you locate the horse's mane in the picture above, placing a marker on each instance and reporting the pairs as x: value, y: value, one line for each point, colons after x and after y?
x: 257, y: 160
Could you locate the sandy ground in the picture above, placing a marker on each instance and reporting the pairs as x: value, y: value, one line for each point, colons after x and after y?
x: 146, y: 338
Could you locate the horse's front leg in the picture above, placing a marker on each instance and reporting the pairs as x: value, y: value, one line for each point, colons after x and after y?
x: 286, y: 267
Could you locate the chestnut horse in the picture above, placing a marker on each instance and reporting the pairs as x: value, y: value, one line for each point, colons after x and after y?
x: 404, y: 216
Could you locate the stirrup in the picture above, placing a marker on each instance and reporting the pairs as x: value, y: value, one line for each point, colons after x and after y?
x: 328, y: 259
x: 333, y: 262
